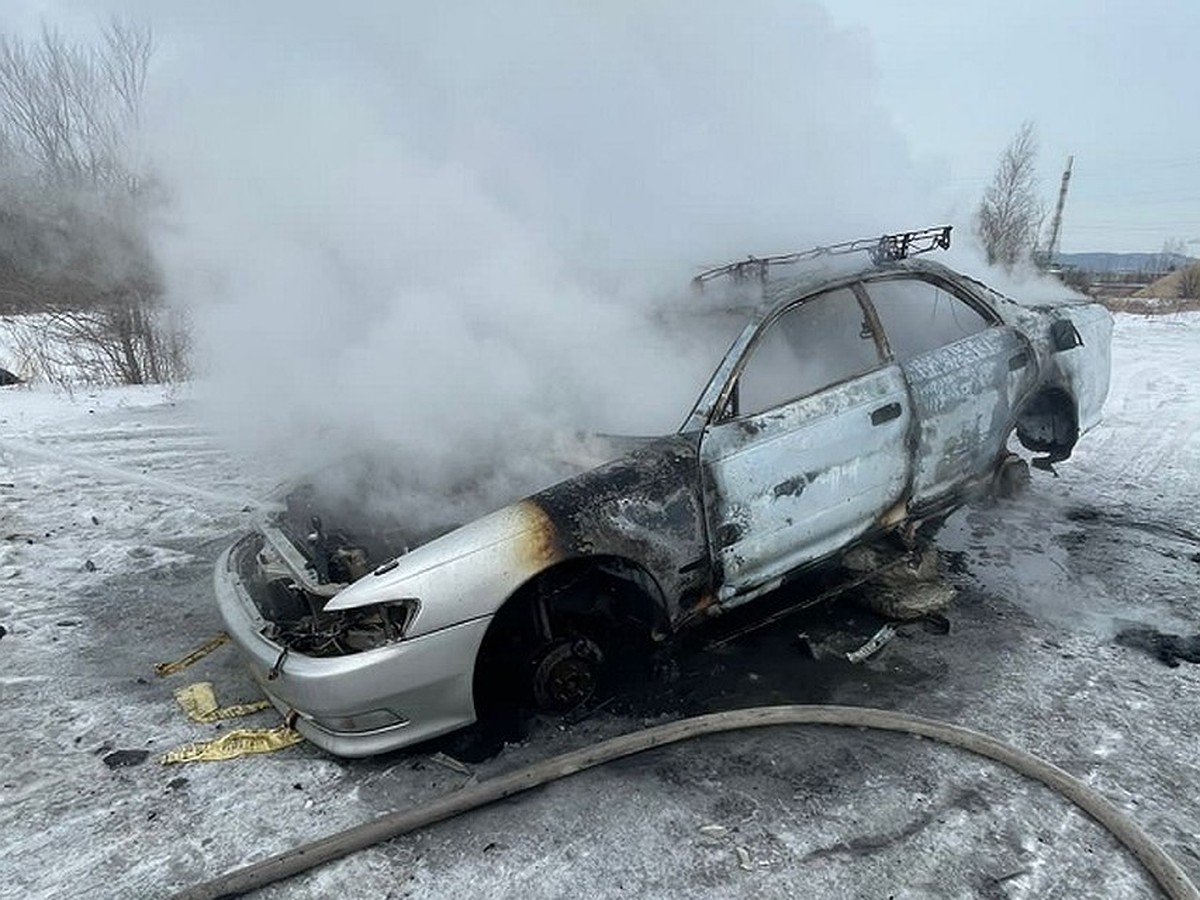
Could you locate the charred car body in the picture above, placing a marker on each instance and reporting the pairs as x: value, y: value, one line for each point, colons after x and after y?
x: 851, y: 407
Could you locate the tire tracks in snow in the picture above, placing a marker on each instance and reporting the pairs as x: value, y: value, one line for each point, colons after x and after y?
x: 49, y: 453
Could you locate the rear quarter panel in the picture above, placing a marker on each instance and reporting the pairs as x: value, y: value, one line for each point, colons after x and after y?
x: 1087, y: 368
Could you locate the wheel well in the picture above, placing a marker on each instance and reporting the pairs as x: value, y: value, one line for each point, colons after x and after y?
x: 609, y: 591
x: 1049, y: 423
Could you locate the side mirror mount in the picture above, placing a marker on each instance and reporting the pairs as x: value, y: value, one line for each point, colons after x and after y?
x: 1065, y: 336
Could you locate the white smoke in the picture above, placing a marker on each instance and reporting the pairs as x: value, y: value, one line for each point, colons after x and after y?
x: 445, y: 228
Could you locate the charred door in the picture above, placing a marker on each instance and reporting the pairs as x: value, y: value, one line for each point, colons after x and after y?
x: 810, y: 450
x: 965, y: 372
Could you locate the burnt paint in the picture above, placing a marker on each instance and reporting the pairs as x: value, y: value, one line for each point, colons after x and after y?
x: 963, y: 397
x: 646, y: 507
x: 728, y: 533
x: 792, y: 487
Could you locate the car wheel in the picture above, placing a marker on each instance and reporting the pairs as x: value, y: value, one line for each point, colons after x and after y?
x: 567, y: 673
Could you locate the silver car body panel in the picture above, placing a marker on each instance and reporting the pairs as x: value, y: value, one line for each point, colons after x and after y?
x: 1085, y: 370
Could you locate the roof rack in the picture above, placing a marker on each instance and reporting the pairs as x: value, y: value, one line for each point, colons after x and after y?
x: 887, y: 248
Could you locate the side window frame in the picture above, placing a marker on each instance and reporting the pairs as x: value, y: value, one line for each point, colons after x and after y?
x: 727, y: 409
x: 863, y: 289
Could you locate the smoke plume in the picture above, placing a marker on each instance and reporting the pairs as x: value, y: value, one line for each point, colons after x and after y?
x: 451, y: 231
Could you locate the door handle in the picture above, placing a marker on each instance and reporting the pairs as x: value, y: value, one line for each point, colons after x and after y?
x: 1019, y: 361
x: 885, y: 413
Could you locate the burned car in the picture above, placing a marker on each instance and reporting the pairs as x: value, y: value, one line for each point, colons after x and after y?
x: 852, y: 407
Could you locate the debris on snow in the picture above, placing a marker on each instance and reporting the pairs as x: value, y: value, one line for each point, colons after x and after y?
x: 233, y: 744
x: 123, y: 759
x: 881, y: 637
x: 744, y: 861
x: 1168, y: 649
x: 449, y: 762
x: 170, y: 668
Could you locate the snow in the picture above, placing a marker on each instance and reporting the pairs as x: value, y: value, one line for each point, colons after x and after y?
x: 114, y: 503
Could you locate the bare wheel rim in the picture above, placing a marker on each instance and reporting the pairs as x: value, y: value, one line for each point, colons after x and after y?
x: 567, y: 674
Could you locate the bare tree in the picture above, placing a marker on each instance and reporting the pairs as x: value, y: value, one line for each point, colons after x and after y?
x: 69, y: 109
x: 75, y: 200
x: 1010, y: 213
x: 1189, y: 283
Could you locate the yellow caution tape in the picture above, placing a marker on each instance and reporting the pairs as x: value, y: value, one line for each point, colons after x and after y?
x: 200, y: 704
x: 241, y: 742
x: 170, y: 668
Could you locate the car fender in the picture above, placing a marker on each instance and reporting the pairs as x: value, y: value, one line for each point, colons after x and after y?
x: 465, y: 574
x: 644, y: 507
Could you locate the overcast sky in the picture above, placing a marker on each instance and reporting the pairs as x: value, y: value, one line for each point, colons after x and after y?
x: 1113, y: 83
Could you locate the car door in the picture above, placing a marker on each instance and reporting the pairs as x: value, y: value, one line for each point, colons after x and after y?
x: 807, y: 447
x: 965, y: 372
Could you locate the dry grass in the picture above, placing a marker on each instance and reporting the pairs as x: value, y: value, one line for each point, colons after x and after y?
x: 1167, y: 286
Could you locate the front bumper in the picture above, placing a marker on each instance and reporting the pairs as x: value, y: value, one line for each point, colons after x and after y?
x: 424, y: 682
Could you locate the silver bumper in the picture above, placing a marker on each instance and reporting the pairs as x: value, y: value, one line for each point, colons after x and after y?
x: 424, y: 682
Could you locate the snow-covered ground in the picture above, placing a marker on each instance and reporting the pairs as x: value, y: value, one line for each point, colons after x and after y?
x: 114, y: 503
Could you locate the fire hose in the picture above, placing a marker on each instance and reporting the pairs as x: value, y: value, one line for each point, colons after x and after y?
x: 1168, y: 875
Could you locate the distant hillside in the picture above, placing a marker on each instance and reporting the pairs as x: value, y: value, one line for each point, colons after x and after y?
x: 1109, y: 263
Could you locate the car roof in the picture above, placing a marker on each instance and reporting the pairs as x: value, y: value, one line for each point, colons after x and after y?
x: 832, y: 272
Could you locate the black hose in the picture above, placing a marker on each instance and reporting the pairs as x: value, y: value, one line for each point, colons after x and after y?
x: 1174, y: 883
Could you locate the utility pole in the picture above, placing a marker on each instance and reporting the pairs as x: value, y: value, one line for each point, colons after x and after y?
x: 1056, y: 222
